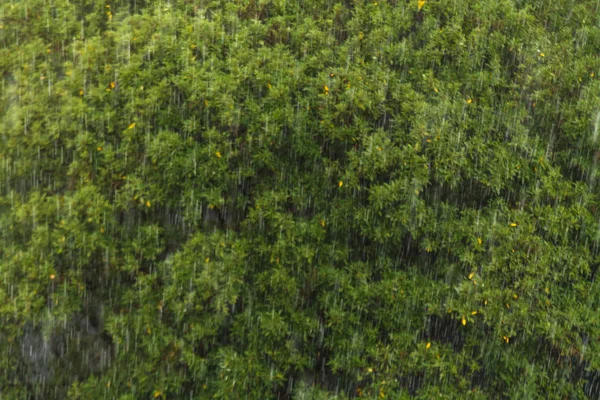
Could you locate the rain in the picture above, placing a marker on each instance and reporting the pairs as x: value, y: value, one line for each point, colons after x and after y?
x: 315, y: 199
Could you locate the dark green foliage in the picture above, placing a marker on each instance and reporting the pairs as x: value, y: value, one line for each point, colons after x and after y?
x: 299, y: 199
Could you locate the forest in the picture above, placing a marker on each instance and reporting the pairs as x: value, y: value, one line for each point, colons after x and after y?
x: 311, y: 199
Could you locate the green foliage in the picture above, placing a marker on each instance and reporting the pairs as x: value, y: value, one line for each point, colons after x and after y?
x: 313, y: 200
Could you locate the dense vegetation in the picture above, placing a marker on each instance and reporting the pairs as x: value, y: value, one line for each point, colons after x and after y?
x: 271, y: 199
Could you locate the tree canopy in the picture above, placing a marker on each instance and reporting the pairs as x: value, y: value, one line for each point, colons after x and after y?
x: 314, y: 199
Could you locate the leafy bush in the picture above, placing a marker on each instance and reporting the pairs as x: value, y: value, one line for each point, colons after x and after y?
x: 275, y: 199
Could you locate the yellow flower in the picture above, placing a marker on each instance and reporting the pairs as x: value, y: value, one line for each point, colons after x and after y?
x: 52, y: 277
x: 340, y: 184
x: 479, y: 241
x: 207, y: 260
x: 473, y: 312
x: 542, y: 54
x: 218, y: 154
x: 99, y: 148
x: 421, y: 3
x: 156, y: 394
x: 112, y: 85
x: 147, y: 204
x: 505, y: 338
x: 471, y: 275
x: 131, y: 126
x: 469, y: 101
x: 464, y: 321
x: 428, y: 346
x: 513, y: 224
x: 323, y: 222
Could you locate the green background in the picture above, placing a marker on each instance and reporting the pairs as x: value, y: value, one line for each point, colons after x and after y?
x: 248, y: 199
